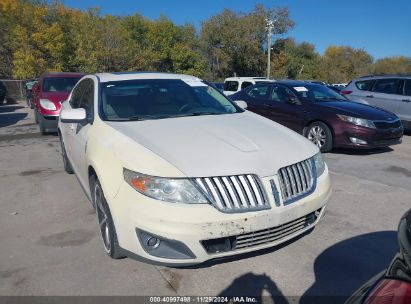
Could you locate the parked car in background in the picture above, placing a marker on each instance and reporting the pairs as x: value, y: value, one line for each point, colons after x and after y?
x: 390, y: 92
x: 394, y: 284
x: 219, y: 86
x: 317, y: 82
x: 3, y: 92
x: 50, y: 91
x: 341, y: 85
x: 325, y: 117
x: 180, y: 174
x: 235, y: 84
x: 336, y: 89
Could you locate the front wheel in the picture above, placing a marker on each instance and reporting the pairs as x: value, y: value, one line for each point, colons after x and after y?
x: 105, y: 221
x: 320, y: 135
x: 66, y: 162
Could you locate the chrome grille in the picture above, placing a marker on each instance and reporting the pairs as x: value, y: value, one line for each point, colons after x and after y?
x: 274, y: 234
x: 236, y: 193
x: 297, y: 180
x: 269, y: 235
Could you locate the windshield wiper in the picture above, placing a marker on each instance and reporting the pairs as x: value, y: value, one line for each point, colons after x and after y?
x: 204, y: 113
x: 136, y: 118
x: 194, y: 114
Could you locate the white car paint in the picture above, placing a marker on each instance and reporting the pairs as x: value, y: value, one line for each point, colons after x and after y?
x: 198, y: 146
x: 240, y: 81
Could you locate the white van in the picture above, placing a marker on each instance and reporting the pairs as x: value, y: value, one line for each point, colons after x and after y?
x: 235, y: 84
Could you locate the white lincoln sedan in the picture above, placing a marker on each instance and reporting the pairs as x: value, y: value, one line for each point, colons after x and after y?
x: 179, y: 174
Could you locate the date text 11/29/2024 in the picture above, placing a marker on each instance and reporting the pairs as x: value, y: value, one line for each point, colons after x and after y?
x: 203, y: 299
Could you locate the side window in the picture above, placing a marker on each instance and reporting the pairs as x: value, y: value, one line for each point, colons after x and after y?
x: 280, y: 93
x: 407, y: 87
x: 76, y: 95
x: 364, y: 85
x: 231, y: 86
x: 87, y: 101
x: 387, y: 86
x: 246, y: 84
x: 259, y: 91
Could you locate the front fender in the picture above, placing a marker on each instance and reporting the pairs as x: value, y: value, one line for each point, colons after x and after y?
x: 109, y: 151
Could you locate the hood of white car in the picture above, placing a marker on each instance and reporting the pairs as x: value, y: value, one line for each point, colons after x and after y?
x: 220, y: 145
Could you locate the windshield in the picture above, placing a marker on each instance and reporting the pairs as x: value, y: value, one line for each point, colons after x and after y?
x: 59, y: 84
x: 161, y: 98
x: 316, y: 92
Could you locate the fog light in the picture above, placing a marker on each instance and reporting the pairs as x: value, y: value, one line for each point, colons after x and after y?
x: 153, y: 242
x: 162, y: 247
x: 358, y: 141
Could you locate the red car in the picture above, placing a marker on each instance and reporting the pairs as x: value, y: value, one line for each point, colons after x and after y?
x: 392, y: 286
x: 48, y: 93
x: 325, y: 117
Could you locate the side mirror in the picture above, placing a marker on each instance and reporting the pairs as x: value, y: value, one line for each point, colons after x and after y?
x: 73, y: 115
x: 241, y: 103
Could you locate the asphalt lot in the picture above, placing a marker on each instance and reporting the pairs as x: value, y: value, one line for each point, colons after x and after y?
x: 51, y: 246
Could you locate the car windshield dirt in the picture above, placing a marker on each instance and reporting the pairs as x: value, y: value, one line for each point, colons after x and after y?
x: 316, y: 92
x: 161, y: 98
x: 59, y: 84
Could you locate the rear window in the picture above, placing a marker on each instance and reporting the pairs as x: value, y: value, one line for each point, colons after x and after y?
x: 364, y: 85
x: 246, y: 84
x: 59, y: 84
x: 231, y: 86
x: 387, y: 86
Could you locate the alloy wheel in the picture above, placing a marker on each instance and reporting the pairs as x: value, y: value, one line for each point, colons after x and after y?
x: 317, y: 136
x: 102, y: 218
x: 63, y: 152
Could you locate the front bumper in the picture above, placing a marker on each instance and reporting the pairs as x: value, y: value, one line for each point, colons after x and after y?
x: 49, y: 122
x: 374, y: 138
x: 191, y: 225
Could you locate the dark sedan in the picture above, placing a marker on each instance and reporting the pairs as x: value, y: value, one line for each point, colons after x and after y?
x: 394, y: 284
x: 325, y: 117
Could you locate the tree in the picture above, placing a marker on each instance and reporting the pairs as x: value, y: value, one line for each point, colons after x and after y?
x: 393, y: 65
x: 294, y: 61
x: 342, y: 63
x: 236, y: 42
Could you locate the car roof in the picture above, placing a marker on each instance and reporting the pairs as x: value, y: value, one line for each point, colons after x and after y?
x: 62, y: 74
x: 245, y: 78
x: 377, y: 76
x: 118, y: 76
x: 295, y: 83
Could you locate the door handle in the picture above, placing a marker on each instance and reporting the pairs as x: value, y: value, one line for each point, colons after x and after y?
x: 406, y: 100
x: 370, y: 96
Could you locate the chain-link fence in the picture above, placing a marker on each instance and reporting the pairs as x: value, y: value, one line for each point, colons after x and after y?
x: 12, y: 91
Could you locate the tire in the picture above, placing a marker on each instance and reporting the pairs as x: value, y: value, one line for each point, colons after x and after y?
x: 320, y: 135
x: 66, y: 162
x: 105, y: 221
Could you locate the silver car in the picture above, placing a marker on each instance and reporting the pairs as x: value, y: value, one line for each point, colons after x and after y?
x: 389, y: 92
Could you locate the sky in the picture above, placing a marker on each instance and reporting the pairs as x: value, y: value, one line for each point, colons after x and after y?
x: 381, y: 27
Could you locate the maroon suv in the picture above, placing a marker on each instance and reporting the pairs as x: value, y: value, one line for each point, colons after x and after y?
x: 48, y: 93
x: 323, y: 116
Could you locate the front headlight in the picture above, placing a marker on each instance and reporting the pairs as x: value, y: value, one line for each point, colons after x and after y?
x: 319, y: 163
x: 357, y: 121
x: 173, y: 190
x: 47, y: 104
